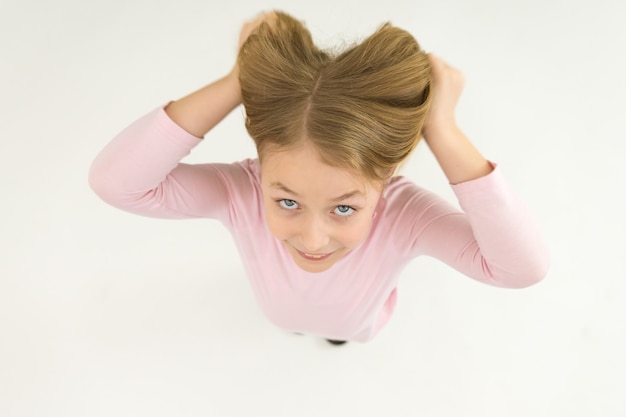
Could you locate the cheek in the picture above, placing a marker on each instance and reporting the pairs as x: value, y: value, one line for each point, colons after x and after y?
x: 277, y: 225
x: 352, y: 235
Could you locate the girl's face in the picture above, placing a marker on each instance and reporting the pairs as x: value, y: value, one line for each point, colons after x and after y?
x: 319, y: 212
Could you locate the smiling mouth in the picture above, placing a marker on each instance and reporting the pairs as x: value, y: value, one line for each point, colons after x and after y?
x: 313, y: 256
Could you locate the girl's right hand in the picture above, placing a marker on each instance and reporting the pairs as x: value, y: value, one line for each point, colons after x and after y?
x: 248, y: 28
x: 251, y: 25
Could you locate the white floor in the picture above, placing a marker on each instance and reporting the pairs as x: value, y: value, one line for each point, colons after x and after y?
x: 103, y: 313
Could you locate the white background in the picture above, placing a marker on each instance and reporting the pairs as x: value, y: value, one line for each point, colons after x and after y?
x: 103, y: 313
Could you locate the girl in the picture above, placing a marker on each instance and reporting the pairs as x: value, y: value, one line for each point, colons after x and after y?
x: 323, y: 225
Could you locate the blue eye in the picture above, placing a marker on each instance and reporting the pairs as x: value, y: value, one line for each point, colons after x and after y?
x: 344, y: 210
x: 288, y: 204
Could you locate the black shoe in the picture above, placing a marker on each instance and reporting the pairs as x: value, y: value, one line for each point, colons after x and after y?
x: 336, y: 342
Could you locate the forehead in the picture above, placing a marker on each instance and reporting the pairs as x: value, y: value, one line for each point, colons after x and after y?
x: 302, y: 170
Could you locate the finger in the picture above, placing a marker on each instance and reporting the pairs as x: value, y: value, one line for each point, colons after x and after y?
x: 435, y: 60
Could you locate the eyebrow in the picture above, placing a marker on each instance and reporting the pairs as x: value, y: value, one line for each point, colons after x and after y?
x: 281, y: 186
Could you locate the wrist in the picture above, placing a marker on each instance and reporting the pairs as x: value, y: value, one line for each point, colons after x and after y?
x: 455, y: 153
x: 440, y: 130
x: 232, y: 80
x: 201, y: 110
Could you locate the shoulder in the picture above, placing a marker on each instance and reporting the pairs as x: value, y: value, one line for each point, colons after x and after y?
x: 242, y: 184
x: 402, y: 193
x: 243, y: 173
x: 407, y: 209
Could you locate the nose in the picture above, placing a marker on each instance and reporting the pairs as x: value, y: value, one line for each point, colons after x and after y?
x: 314, y: 235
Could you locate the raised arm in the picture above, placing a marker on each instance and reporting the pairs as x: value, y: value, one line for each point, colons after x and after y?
x: 498, y: 240
x: 200, y: 111
x: 140, y: 170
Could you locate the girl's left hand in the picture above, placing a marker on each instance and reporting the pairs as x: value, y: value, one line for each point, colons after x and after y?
x: 457, y: 156
x: 447, y: 85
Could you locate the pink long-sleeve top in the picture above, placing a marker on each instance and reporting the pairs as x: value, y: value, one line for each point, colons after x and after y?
x: 494, y: 239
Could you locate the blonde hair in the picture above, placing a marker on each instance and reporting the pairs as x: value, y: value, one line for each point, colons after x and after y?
x: 363, y: 109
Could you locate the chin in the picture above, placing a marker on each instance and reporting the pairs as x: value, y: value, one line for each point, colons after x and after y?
x: 314, y: 267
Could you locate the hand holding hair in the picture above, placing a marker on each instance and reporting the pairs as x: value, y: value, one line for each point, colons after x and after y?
x: 458, y: 157
x: 201, y: 110
x: 447, y: 84
x: 248, y: 28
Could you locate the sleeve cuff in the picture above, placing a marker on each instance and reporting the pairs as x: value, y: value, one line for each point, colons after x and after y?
x: 172, y: 130
x: 485, y: 184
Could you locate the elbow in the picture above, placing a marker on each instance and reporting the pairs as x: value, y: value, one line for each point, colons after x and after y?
x: 531, y: 274
x: 525, y: 272
x: 94, y: 179
x: 528, y: 280
x: 101, y: 183
x: 97, y: 180
x: 539, y: 269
